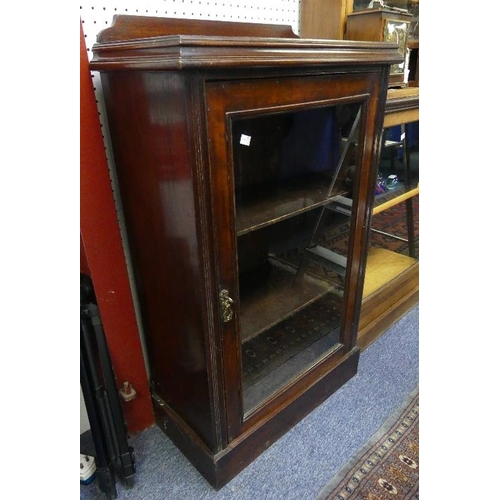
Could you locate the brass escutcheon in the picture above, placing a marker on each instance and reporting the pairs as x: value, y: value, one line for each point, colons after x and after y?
x: 225, y: 306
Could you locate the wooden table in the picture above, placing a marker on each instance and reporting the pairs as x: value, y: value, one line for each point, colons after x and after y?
x: 392, y: 280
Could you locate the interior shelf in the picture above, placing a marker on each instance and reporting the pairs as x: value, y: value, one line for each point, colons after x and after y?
x: 270, y: 358
x: 300, y: 194
x: 273, y: 294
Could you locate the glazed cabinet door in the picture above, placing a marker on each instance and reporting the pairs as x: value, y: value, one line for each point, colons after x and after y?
x: 289, y: 171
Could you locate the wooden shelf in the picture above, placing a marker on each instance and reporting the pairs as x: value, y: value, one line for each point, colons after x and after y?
x: 271, y: 298
x: 290, y: 199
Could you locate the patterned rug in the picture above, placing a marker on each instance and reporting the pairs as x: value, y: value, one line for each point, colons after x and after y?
x: 392, y: 221
x: 387, y: 466
x: 272, y: 348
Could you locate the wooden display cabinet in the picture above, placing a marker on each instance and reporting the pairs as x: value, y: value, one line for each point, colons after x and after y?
x: 240, y: 149
x: 392, y: 277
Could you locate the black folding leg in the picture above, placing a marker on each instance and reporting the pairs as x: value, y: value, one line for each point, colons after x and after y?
x: 114, y: 455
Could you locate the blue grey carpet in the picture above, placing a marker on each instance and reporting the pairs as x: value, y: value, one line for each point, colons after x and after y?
x: 301, y: 463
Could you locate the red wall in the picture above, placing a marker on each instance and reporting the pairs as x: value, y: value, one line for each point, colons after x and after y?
x: 103, y: 258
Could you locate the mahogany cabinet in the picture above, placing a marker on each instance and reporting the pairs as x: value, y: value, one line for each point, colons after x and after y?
x: 241, y: 150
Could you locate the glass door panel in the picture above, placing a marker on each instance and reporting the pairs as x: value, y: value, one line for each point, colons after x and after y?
x: 293, y: 175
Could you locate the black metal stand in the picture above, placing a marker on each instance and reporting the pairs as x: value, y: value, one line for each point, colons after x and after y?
x: 114, y: 457
x: 410, y: 224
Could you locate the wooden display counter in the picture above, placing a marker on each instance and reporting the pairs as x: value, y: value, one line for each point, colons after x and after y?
x: 392, y: 279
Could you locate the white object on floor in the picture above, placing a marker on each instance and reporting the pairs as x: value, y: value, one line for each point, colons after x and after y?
x: 87, y: 469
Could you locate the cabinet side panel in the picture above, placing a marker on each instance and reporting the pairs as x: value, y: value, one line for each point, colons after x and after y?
x: 147, y: 117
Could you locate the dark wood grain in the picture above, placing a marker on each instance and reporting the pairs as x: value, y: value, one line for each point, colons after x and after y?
x: 172, y: 91
x: 127, y: 27
x: 147, y: 120
x: 184, y: 44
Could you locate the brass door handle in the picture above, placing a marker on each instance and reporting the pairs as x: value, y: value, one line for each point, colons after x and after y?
x: 225, y: 306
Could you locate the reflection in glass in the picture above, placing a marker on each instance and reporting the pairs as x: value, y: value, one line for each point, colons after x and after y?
x: 293, y: 175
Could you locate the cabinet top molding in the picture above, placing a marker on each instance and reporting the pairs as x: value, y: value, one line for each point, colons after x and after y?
x: 155, y: 43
